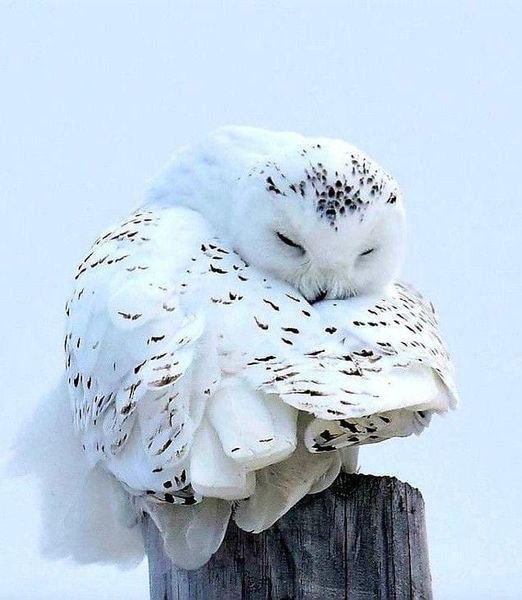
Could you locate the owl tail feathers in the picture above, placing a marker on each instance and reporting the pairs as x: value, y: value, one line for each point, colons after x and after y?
x: 85, y: 513
x: 191, y: 534
x: 280, y: 486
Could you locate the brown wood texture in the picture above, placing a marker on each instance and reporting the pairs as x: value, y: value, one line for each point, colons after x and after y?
x: 362, y: 539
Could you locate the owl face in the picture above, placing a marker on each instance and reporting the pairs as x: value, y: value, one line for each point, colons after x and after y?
x: 326, y: 219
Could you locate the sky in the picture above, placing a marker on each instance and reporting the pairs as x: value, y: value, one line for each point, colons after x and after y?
x: 94, y: 96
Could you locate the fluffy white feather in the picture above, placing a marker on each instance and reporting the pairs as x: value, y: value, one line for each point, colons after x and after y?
x: 212, y: 472
x: 255, y: 429
x: 86, y: 514
x: 191, y: 534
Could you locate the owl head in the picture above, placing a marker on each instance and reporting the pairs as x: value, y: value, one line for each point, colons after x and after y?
x: 317, y: 213
x: 322, y: 216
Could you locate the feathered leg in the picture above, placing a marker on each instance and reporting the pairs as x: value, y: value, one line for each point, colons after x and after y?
x: 191, y: 534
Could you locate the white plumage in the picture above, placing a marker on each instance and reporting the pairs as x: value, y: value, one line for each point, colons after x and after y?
x: 228, y: 338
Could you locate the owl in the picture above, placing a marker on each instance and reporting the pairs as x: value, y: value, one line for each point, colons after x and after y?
x: 232, y: 343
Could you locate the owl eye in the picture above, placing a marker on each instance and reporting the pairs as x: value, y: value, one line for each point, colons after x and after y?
x: 289, y: 242
x: 366, y: 252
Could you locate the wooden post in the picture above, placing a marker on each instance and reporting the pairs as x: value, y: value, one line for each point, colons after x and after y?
x: 362, y: 539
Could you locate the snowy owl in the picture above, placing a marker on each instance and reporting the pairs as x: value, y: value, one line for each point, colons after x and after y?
x: 235, y: 340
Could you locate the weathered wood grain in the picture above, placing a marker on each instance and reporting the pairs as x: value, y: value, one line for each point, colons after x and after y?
x: 362, y: 539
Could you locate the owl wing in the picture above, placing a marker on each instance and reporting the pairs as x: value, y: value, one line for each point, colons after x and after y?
x: 402, y: 326
x: 396, y: 338
x: 352, y: 364
x: 163, y: 318
x: 130, y: 347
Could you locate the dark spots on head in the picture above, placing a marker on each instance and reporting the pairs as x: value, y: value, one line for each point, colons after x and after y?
x: 214, y: 269
x: 335, y: 194
x: 272, y: 187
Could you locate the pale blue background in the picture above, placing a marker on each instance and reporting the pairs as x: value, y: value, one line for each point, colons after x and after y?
x: 95, y: 95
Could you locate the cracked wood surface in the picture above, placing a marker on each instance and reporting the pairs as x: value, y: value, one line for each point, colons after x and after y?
x: 364, y: 538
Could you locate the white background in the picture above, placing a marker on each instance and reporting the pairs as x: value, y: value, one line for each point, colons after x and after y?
x: 94, y: 96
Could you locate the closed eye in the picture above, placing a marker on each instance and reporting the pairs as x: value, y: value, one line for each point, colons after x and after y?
x: 289, y: 242
x: 366, y: 252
